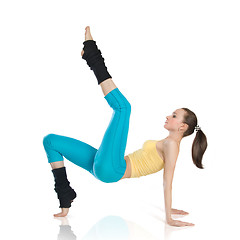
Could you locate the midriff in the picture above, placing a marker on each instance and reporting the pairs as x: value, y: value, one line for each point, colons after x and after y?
x: 159, y: 148
x: 127, y: 173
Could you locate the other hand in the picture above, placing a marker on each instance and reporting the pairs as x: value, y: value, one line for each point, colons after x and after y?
x: 176, y: 211
x: 178, y: 223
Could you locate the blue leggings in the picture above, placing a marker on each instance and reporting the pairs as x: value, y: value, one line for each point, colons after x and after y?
x: 107, y: 163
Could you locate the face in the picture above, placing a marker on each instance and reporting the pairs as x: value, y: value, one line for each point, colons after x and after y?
x: 174, y: 121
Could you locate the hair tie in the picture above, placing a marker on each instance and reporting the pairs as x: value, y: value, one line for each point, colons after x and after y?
x: 197, y: 128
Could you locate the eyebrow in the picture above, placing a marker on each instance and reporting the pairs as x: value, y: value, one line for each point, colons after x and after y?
x: 174, y: 112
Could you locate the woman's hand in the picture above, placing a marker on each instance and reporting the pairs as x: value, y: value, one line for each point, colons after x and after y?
x: 177, y: 223
x: 176, y: 211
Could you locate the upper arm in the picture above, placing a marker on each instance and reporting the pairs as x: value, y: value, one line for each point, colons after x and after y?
x: 170, y: 150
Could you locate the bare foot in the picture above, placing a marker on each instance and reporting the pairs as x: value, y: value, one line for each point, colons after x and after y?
x: 63, y: 213
x: 88, y: 36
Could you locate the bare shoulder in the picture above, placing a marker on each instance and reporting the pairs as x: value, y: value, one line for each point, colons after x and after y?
x: 168, y: 142
x: 170, y: 148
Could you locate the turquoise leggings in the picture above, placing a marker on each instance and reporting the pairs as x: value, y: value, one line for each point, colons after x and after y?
x: 107, y: 163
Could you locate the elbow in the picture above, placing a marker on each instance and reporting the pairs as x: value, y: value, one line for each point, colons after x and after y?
x: 167, y: 186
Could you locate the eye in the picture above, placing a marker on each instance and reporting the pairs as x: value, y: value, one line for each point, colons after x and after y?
x: 174, y: 116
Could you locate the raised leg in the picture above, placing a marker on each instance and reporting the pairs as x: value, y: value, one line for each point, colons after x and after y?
x: 109, y: 163
x: 107, y: 86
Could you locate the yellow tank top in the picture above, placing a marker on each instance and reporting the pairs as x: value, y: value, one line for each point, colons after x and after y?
x: 146, y: 160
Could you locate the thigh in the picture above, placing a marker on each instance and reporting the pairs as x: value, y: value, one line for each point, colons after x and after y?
x: 109, y: 164
x: 76, y: 151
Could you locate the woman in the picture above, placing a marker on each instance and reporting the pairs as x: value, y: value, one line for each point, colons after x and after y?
x: 108, y: 163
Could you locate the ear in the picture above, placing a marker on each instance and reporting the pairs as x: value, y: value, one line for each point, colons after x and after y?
x: 184, y: 126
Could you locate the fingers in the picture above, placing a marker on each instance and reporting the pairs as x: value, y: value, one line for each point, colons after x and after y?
x: 176, y: 211
x: 177, y: 223
x: 183, y: 212
x: 181, y: 224
x: 189, y: 224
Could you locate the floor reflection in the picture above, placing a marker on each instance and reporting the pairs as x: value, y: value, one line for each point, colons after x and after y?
x: 65, y: 231
x: 113, y: 227
x: 110, y: 227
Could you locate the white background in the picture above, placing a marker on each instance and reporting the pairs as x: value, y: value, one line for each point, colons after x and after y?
x: 162, y: 55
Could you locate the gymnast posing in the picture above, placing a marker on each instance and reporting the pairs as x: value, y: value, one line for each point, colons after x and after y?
x: 108, y: 163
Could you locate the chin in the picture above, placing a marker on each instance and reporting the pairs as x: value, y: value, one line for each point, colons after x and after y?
x: 165, y: 126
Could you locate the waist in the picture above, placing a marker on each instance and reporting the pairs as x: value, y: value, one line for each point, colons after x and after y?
x: 128, y: 169
x: 143, y: 163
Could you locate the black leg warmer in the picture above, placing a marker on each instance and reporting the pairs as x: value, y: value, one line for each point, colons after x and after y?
x: 95, y: 60
x: 64, y: 192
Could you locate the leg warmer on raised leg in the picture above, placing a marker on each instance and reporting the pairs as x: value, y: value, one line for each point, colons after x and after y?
x: 64, y: 192
x: 95, y: 60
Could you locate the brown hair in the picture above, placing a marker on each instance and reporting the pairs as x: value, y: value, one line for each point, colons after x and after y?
x: 199, y: 145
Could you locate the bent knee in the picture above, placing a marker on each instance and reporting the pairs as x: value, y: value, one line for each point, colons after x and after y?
x: 128, y: 105
x: 125, y: 104
x: 48, y: 139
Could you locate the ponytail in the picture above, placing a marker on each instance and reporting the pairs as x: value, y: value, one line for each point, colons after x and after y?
x: 200, y: 144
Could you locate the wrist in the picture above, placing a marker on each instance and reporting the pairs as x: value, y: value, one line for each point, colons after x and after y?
x: 168, y: 218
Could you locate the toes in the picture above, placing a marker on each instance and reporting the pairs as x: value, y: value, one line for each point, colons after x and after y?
x: 60, y: 215
x: 88, y: 35
x: 87, y: 31
x: 57, y: 215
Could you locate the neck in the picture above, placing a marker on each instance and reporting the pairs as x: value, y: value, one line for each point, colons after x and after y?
x: 175, y: 136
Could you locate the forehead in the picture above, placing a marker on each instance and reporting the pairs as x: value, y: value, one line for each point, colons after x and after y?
x: 179, y: 111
